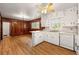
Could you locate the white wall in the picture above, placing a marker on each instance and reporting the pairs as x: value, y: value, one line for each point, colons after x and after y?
x: 6, y: 28
x: 66, y: 17
x: 77, y: 37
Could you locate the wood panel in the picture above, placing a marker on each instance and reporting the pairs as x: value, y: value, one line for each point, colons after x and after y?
x: 21, y: 45
x: 0, y: 27
x: 17, y: 27
x: 21, y: 27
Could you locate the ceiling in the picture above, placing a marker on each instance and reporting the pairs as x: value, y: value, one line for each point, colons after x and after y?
x: 29, y: 10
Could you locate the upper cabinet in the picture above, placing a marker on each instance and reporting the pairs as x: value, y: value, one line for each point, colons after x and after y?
x: 66, y: 17
x: 52, y: 18
x: 70, y: 17
x: 78, y: 10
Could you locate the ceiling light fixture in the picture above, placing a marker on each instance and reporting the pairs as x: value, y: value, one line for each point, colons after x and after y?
x: 46, y: 8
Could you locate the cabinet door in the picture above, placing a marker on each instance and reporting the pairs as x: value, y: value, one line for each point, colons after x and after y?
x: 66, y: 40
x: 53, y: 38
x: 37, y: 38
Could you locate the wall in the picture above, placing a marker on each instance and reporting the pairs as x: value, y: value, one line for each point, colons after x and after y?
x: 0, y: 27
x: 17, y: 27
x: 67, y: 18
x: 21, y: 27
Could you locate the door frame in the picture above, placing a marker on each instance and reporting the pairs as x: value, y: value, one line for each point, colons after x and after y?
x: 1, y: 26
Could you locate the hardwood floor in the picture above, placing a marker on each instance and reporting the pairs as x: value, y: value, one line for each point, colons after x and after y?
x: 20, y: 45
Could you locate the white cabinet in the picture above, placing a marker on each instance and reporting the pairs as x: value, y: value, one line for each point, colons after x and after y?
x: 37, y: 37
x: 67, y: 40
x: 60, y: 14
x: 53, y: 37
x: 78, y: 10
x: 70, y: 17
x: 63, y: 39
x: 49, y: 19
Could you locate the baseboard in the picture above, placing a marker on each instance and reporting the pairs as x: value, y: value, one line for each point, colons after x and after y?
x: 38, y: 44
x: 60, y: 46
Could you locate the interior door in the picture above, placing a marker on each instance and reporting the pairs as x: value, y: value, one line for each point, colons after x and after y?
x: 6, y: 28
x: 0, y: 28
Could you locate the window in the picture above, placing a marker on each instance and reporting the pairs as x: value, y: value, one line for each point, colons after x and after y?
x: 35, y: 25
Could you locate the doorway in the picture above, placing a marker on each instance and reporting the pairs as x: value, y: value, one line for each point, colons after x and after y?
x: 6, y: 29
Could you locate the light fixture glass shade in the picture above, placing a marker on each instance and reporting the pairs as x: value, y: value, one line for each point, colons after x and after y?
x: 46, y: 8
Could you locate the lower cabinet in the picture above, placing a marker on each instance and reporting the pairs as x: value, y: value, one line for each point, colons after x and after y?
x: 37, y: 37
x: 53, y: 37
x: 67, y: 40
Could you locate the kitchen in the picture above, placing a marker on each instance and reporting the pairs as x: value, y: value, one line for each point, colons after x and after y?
x: 52, y: 24
x: 60, y: 29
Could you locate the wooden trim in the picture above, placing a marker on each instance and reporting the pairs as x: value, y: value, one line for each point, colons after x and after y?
x: 1, y: 26
x: 11, y: 19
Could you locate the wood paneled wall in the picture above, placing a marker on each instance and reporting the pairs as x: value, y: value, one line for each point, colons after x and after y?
x: 21, y: 27
x: 17, y: 27
x: 0, y: 27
